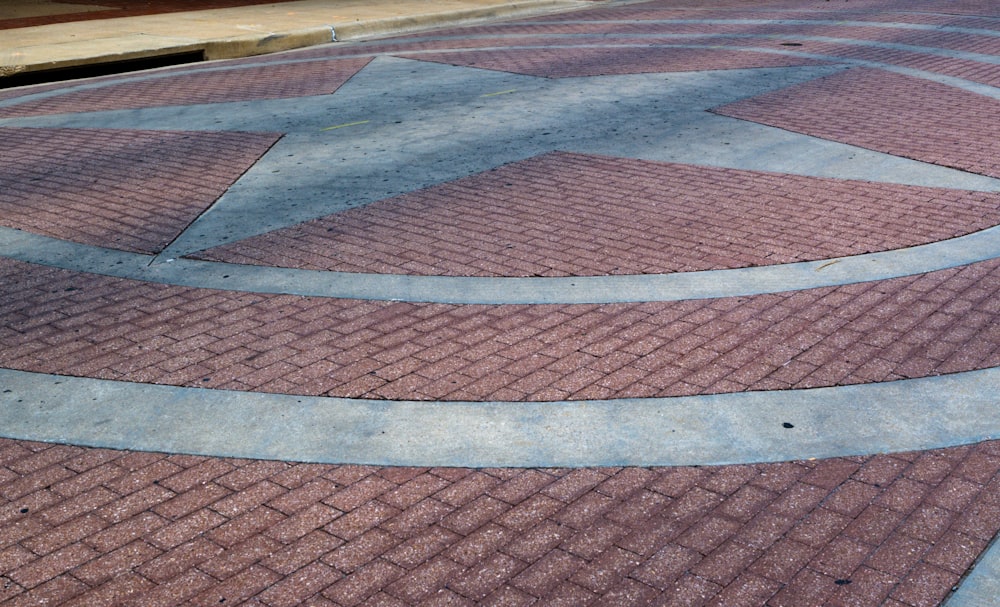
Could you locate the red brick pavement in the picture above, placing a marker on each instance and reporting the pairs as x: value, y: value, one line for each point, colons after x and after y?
x: 20, y: 92
x: 973, y: 43
x: 130, y: 190
x: 593, y: 215
x: 56, y: 321
x: 907, y: 11
x: 889, y: 10
x: 653, y: 18
x: 557, y: 60
x: 973, y: 71
x: 888, y: 112
x: 245, y: 84
x: 577, y: 62
x: 563, y: 58
x: 959, y: 41
x: 547, y: 55
x: 94, y: 527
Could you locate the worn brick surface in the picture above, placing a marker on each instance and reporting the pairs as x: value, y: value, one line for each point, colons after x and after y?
x: 93, y: 526
x: 131, y: 190
x: 642, y: 32
x: 887, y: 112
x: 576, y: 62
x: 592, y: 215
x: 677, y: 22
x: 261, y: 82
x: 63, y: 322
x: 655, y: 48
x: 578, y: 546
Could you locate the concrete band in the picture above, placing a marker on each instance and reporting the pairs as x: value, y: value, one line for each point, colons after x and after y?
x: 32, y: 248
x: 742, y: 427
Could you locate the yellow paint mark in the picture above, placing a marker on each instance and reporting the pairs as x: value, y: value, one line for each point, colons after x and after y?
x: 827, y: 264
x: 507, y: 92
x: 346, y: 124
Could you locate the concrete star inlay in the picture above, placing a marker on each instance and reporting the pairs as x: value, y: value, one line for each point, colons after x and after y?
x: 455, y: 126
x: 599, y: 216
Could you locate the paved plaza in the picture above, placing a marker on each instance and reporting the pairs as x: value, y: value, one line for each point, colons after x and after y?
x: 642, y: 303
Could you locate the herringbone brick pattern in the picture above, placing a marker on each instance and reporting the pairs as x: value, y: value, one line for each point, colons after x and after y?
x: 88, y: 527
x: 613, y: 29
x: 649, y: 53
x: 129, y: 190
x: 891, y: 10
x: 968, y: 69
x: 576, y: 62
x: 56, y: 321
x: 574, y: 215
x: 909, y: 117
x: 716, y: 26
x: 12, y: 93
x: 94, y: 526
x: 261, y: 82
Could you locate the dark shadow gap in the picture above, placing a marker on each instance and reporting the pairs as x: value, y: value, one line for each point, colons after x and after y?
x: 100, y: 69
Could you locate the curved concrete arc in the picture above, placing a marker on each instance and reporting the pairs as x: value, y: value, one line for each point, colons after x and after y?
x: 698, y: 430
x: 32, y: 248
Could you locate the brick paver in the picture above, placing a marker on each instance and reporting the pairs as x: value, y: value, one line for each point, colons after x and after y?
x: 795, y: 28
x: 261, y: 82
x: 592, y: 215
x: 69, y: 323
x: 576, y: 62
x: 129, y: 190
x: 562, y: 58
x: 634, y: 33
x: 887, y: 10
x: 887, y: 112
x: 85, y: 526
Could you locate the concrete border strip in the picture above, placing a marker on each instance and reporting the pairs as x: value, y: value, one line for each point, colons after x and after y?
x: 981, y: 586
x: 742, y: 427
x: 43, y: 250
